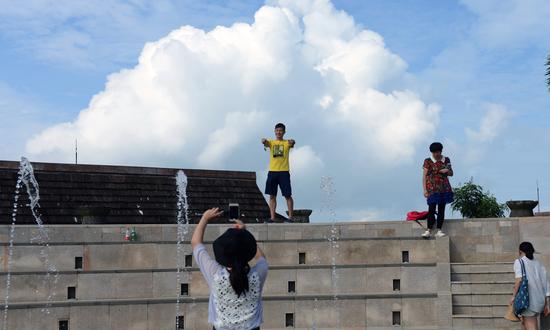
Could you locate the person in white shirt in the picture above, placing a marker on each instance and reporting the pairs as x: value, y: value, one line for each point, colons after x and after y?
x: 538, y: 286
x: 235, y: 301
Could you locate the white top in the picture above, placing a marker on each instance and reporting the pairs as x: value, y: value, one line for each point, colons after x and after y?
x: 539, y: 285
x: 226, y: 310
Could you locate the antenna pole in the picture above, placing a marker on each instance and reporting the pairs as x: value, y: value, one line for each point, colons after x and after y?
x: 538, y: 197
x: 76, y: 151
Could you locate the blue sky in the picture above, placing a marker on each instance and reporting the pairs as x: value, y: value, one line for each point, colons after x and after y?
x: 480, y: 62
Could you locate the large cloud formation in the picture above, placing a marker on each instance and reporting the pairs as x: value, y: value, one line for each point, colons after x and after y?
x: 204, y: 99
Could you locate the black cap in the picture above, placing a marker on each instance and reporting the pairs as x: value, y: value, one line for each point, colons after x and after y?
x: 234, y: 245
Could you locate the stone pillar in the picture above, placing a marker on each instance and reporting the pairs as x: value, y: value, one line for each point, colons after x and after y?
x: 521, y: 208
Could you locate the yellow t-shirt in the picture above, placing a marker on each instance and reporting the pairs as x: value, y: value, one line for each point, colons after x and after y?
x: 278, y: 155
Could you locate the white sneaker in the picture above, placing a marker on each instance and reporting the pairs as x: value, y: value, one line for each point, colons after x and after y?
x: 427, y: 234
x: 440, y: 234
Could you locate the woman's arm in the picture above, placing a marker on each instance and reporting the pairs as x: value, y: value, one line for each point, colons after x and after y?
x: 450, y: 167
x: 198, y: 234
x: 547, y: 304
x: 259, y: 253
x: 515, y: 290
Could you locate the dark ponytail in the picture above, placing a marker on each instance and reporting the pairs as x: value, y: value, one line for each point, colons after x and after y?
x: 528, y: 249
x: 233, y: 250
x: 238, y: 277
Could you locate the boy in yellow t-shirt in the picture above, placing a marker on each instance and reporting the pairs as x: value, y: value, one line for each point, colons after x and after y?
x: 279, y: 171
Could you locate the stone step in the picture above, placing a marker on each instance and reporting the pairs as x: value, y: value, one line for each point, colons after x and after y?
x: 495, y: 310
x: 481, y: 287
x: 493, y: 298
x: 157, y: 284
x: 476, y: 268
x: 204, y: 299
x: 485, y: 276
x: 479, y: 322
x: 113, y: 234
x: 66, y: 268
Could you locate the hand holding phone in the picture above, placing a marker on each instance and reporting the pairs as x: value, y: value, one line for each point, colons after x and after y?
x: 239, y: 224
x: 234, y: 212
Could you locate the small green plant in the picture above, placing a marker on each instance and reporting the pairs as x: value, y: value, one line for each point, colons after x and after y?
x: 473, y: 202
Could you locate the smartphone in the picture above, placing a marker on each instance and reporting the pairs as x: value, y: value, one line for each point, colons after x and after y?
x: 234, y: 212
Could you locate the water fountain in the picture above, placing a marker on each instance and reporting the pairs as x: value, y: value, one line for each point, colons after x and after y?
x: 26, y: 177
x: 182, y: 232
x: 327, y: 206
x: 316, y: 300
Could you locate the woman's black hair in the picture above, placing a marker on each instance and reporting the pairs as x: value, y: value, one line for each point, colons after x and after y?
x: 233, y: 250
x: 280, y: 125
x: 238, y: 277
x: 436, y: 146
x: 528, y: 249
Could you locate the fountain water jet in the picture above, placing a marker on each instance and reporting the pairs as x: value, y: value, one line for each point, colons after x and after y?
x: 327, y: 206
x: 26, y: 177
x: 182, y: 231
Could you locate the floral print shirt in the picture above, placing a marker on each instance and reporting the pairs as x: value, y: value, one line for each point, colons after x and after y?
x: 437, y: 182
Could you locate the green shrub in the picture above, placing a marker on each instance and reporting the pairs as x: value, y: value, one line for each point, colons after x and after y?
x: 472, y: 202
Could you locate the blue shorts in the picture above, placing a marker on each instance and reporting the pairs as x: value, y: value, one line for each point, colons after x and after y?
x: 441, y: 198
x: 528, y: 313
x: 278, y: 179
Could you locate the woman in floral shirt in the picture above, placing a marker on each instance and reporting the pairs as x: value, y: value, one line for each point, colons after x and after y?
x: 437, y: 189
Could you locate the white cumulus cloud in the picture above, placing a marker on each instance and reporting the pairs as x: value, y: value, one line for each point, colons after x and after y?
x: 491, y: 125
x: 305, y: 160
x: 204, y: 98
x: 511, y: 23
x: 223, y: 140
x: 478, y: 140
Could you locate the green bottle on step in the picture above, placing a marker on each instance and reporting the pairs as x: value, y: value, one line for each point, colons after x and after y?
x: 133, y: 234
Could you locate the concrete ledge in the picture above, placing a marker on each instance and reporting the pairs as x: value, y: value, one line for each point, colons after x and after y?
x: 189, y: 300
x: 484, y: 272
x: 481, y: 263
x: 381, y: 222
x: 476, y: 316
x: 507, y: 293
x: 482, y: 282
x: 307, y: 240
x: 479, y: 305
x: 196, y: 269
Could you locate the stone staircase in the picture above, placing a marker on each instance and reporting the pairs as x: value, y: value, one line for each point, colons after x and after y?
x: 480, y: 293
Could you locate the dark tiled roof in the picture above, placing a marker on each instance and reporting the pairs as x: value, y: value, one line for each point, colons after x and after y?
x: 70, y: 194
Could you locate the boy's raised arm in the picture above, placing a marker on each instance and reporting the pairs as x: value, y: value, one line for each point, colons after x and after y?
x: 265, y: 142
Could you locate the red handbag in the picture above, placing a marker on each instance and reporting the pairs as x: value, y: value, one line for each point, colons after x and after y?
x: 415, y: 216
